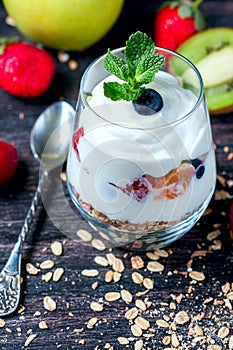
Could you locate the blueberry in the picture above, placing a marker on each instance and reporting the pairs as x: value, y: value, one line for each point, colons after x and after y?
x: 200, y: 168
x: 200, y: 171
x: 196, y: 162
x: 148, y: 103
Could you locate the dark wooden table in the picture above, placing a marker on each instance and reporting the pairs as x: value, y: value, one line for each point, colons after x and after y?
x: 182, y: 313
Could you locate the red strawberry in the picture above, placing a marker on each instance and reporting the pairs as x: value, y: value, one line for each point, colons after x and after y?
x: 25, y: 70
x: 177, y: 21
x: 8, y: 161
x: 79, y: 133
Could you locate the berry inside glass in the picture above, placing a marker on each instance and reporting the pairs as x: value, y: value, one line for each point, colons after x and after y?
x: 143, y: 179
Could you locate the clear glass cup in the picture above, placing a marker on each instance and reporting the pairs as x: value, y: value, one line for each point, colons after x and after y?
x: 142, y: 181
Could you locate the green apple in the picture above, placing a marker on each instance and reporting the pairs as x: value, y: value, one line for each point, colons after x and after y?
x: 64, y: 24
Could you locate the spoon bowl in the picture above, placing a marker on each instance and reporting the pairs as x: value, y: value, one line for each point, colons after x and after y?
x: 50, y: 135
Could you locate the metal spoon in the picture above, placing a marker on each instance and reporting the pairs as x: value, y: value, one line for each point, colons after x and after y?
x: 51, y: 132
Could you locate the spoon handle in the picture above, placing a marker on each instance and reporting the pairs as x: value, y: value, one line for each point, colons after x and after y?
x: 13, y: 263
x: 10, y: 274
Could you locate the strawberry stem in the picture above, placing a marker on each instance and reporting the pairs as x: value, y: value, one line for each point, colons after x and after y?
x: 6, y: 41
x: 196, y: 3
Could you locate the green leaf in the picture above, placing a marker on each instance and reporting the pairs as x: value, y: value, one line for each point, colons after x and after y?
x: 117, y: 91
x: 137, y: 45
x: 185, y: 11
x: 200, y: 20
x: 115, y: 65
x: 148, y: 67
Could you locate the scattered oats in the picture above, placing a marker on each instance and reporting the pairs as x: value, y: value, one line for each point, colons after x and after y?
x: 82, y: 341
x: 161, y: 252
x: 116, y: 276
x: 112, y: 296
x: 223, y: 332
x: 118, y: 265
x: 47, y: 277
x: 231, y: 342
x: 111, y: 258
x: 152, y: 256
x: 221, y: 195
x: 21, y: 309
x: 172, y: 305
x: 10, y: 21
x: 92, y: 322
x: 212, y: 235
x: 226, y: 287
x: 148, y: 283
x: 100, y: 260
x: 30, y: 339
x: 21, y: 116
x: 84, y: 235
x: 78, y: 330
x: 230, y: 296
x: 94, y: 285
x: 230, y: 156
x: 166, y: 340
x: 63, y: 57
x: 174, y: 340
x: 47, y: 264
x: 208, y: 211
x: 155, y: 266
x: 56, y: 248
x: 43, y: 325
x: 126, y: 296
x: 49, y: 303
x: 137, y: 277
x: 73, y: 64
x: 226, y: 149
x: 136, y: 330
x: 197, y: 276
x: 140, y: 304
x: 63, y: 176
x: 31, y: 269
x: 98, y: 244
x: 123, y: 340
x: 221, y: 180
x: 138, y: 345
x: 228, y: 304
x: 109, y: 276
x: 198, y: 330
x: 162, y: 323
x: 131, y: 313
x: 8, y: 330
x: 139, y: 294
x: 96, y: 306
x: 214, y: 347
x: 90, y: 272
x: 229, y: 183
x: 142, y: 323
x: 208, y: 300
x: 181, y: 317
x: 58, y: 274
x: 2, y: 323
x: 137, y: 262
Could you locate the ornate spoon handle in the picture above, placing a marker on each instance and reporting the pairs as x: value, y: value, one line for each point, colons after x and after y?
x: 10, y: 274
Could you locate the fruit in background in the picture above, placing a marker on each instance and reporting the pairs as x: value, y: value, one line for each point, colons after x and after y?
x: 67, y: 25
x: 8, y: 161
x: 176, y: 21
x: 25, y: 70
x: 212, y: 52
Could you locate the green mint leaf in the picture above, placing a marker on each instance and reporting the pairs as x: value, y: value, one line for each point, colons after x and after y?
x: 115, y: 65
x: 139, y: 67
x: 148, y: 67
x: 117, y: 91
x: 137, y: 45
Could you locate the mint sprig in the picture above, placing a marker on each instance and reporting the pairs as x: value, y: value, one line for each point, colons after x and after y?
x: 139, y: 67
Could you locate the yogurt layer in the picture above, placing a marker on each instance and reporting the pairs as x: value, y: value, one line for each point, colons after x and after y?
x: 119, y: 160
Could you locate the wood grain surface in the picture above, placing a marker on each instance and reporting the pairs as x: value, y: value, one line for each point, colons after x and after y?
x: 183, y: 313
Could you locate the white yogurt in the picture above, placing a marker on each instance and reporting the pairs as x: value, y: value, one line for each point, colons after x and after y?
x: 119, y: 146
